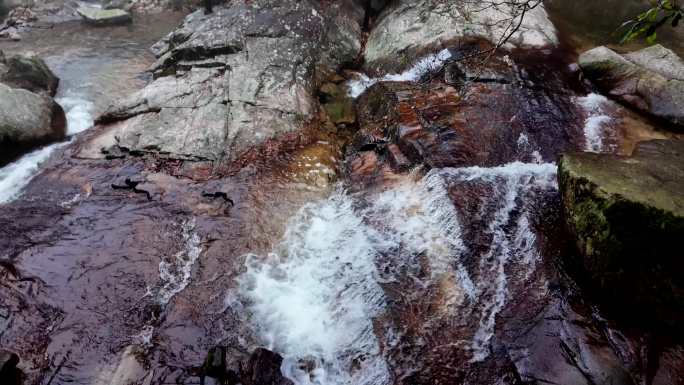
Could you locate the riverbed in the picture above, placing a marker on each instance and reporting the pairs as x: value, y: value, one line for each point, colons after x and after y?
x: 357, y: 269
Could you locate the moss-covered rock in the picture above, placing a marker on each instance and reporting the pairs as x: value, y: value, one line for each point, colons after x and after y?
x: 627, y: 214
x: 337, y: 104
x: 104, y: 16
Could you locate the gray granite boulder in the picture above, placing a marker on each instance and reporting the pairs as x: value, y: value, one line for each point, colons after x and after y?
x: 29, y: 73
x: 27, y: 120
x: 650, y: 80
x: 407, y: 27
x: 232, y: 80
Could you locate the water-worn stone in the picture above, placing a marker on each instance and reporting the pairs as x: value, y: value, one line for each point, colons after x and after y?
x: 407, y: 27
x: 19, y: 18
x: 627, y: 214
x: 30, y: 73
x: 9, y: 374
x: 104, y: 16
x: 27, y: 120
x: 10, y: 33
x: 234, y: 79
x: 432, y: 124
x: 650, y: 80
x: 263, y: 368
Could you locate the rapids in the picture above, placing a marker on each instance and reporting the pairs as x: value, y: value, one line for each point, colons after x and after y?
x: 315, y: 296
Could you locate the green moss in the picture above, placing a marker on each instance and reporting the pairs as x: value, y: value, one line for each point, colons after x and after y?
x: 627, y: 227
x: 598, y: 68
x: 341, y: 112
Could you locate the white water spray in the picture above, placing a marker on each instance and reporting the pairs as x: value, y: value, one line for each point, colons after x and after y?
x: 175, y: 272
x: 513, y: 185
x: 418, y: 70
x: 596, y: 122
x: 316, y: 298
x: 17, y: 175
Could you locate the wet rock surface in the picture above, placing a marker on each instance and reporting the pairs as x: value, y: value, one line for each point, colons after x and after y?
x: 250, y: 70
x: 649, y: 80
x: 627, y: 216
x: 453, y: 117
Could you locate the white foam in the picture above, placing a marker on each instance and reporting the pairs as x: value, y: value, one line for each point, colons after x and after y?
x: 16, y: 175
x: 175, y: 273
x: 512, y: 183
x: 523, y: 141
x: 596, y: 121
x: 527, y: 151
x: 314, y: 298
x: 79, y: 112
x: 423, y: 66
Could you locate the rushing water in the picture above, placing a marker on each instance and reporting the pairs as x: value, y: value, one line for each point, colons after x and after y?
x: 174, y: 273
x: 596, y: 124
x: 414, y: 73
x: 16, y: 175
x: 96, y: 66
x: 315, y: 297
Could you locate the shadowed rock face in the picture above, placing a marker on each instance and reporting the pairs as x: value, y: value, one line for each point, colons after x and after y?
x: 232, y: 80
x: 627, y: 214
x: 650, y: 80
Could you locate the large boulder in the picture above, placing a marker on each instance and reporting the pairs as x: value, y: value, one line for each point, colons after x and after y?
x: 27, y: 120
x: 650, y: 80
x: 408, y: 27
x: 627, y: 215
x: 30, y: 73
x: 234, y: 79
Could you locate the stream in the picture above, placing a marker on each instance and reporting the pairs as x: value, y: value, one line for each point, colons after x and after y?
x: 354, y: 272
x: 95, y: 67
